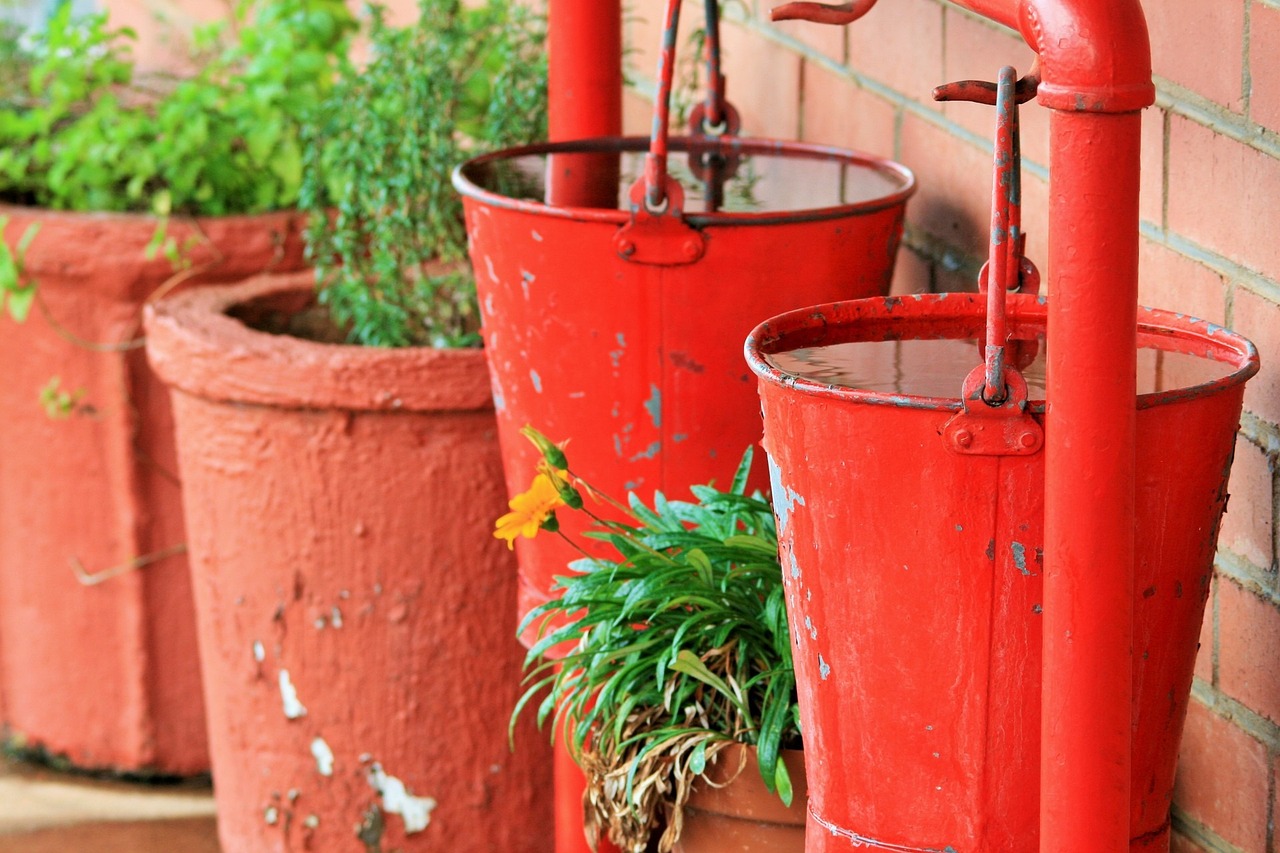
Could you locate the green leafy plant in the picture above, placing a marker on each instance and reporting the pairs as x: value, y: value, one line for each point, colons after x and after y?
x: 680, y: 645
x: 58, y: 403
x: 84, y: 132
x: 16, y: 293
x: 386, y: 233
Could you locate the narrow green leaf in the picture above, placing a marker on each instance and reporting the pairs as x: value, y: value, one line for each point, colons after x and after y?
x: 20, y: 303
x: 698, y: 760
x: 689, y: 663
x: 782, y: 784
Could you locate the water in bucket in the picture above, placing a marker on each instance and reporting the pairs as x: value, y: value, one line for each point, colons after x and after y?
x: 762, y: 181
x: 937, y: 368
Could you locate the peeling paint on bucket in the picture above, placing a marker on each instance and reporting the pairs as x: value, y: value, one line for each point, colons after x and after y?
x: 926, y: 679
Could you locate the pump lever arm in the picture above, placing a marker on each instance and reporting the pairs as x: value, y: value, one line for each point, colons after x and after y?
x: 823, y: 13
x: 982, y: 92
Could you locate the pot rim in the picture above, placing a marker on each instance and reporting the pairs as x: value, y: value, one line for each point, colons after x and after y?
x: 464, y: 183
x: 195, y: 346
x: 965, y: 313
x: 143, y: 218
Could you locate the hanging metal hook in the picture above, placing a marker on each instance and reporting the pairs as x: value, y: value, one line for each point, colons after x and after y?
x: 982, y: 92
x: 1006, y: 267
x: 1006, y: 206
x: 823, y: 13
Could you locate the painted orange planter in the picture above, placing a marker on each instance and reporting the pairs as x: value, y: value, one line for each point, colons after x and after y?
x: 733, y: 812
x: 354, y: 610
x: 105, y: 675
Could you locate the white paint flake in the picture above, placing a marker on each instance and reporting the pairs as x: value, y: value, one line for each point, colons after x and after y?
x: 323, y: 755
x: 259, y: 651
x: 293, y: 709
x: 335, y: 618
x: 396, y: 799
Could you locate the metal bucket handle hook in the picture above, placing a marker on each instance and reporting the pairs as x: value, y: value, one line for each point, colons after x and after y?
x: 994, y: 419
x: 657, y: 233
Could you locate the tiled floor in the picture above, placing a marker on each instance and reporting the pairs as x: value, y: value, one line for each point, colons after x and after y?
x: 42, y: 811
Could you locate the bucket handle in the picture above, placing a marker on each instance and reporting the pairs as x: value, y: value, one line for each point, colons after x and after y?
x: 994, y: 419
x: 657, y: 233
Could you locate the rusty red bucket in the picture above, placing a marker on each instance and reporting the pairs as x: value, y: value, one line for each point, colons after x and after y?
x: 617, y: 277
x: 912, y: 549
x: 634, y: 355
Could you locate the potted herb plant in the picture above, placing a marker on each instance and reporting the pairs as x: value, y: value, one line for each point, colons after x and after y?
x: 678, y: 696
x: 114, y: 189
x: 339, y: 461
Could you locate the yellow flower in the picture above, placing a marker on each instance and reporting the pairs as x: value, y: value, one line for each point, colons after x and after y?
x: 530, y: 510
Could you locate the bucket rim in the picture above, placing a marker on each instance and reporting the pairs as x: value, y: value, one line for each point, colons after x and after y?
x: 823, y: 324
x: 464, y: 183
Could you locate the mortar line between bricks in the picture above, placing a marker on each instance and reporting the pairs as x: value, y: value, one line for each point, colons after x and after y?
x: 1166, y: 123
x: 1214, y: 668
x: 1271, y: 805
x: 1252, y: 281
x: 1203, y: 836
x: 1246, y: 73
x: 893, y: 96
x: 1231, y: 711
x: 1258, y: 581
x: 1261, y: 432
x: 981, y: 19
x: 950, y: 257
x: 1169, y: 95
x: 1183, y: 102
x: 1229, y: 304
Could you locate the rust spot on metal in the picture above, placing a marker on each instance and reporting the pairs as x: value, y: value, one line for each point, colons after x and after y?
x: 370, y: 830
x: 683, y: 361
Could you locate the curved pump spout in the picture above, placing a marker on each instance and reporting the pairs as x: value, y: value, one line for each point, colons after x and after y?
x: 1095, y: 53
x: 1095, y: 67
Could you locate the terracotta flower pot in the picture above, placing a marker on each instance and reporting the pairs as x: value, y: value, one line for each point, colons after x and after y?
x: 354, y: 609
x: 105, y: 675
x: 741, y: 815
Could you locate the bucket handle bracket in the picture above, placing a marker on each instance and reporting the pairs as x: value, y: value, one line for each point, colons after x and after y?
x: 981, y: 429
x: 659, y: 237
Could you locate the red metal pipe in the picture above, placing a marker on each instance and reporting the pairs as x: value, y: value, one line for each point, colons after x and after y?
x: 584, y: 45
x: 584, y: 52
x: 1087, y: 686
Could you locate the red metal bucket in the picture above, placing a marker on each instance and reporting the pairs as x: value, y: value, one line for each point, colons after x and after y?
x: 912, y: 566
x: 621, y: 331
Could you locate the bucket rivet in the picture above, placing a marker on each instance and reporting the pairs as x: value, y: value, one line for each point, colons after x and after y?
x: 626, y: 247
x: 963, y: 438
x: 1027, y: 439
x: 691, y: 249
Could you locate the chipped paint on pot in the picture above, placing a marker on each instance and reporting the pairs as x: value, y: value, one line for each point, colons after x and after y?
x: 319, y: 475
x: 99, y: 486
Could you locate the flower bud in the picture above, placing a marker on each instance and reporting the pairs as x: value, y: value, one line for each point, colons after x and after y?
x: 553, y: 454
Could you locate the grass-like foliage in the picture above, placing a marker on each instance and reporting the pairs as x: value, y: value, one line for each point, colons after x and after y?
x: 80, y: 130
x: 386, y: 233
x: 680, y: 647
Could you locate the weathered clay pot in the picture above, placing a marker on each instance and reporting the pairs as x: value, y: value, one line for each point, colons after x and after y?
x: 105, y: 675
x: 354, y: 608
x: 742, y: 816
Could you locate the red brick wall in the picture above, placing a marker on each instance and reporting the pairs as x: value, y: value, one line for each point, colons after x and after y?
x: 1210, y: 247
